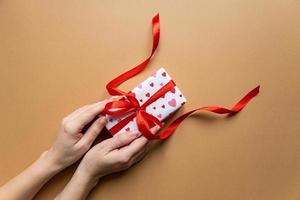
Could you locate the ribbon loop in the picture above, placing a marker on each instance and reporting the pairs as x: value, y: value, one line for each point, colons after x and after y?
x: 116, y: 108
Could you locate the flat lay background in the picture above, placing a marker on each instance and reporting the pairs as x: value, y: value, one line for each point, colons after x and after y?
x: 58, y: 55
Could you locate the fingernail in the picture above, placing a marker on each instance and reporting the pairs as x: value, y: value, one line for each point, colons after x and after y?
x: 106, y: 101
x: 103, y: 119
x: 101, y: 103
x: 156, y: 128
x: 113, y: 98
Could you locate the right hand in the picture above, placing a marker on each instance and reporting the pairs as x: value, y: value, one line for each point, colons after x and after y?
x: 115, y: 154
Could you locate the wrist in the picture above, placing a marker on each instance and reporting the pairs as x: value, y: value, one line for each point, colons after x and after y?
x: 85, y: 179
x: 51, y: 162
x: 87, y: 171
x: 79, y: 186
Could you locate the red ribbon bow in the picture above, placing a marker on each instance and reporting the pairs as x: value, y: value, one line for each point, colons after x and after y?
x: 128, y: 104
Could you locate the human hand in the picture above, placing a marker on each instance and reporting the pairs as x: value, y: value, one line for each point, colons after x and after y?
x: 71, y: 143
x: 115, y: 154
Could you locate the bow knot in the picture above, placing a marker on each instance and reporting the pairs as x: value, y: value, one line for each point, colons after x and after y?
x: 129, y: 104
x: 126, y: 104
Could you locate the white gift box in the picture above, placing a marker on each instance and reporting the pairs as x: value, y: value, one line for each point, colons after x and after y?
x: 161, y: 108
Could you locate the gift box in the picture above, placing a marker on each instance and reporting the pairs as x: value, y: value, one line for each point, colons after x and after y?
x: 167, y: 103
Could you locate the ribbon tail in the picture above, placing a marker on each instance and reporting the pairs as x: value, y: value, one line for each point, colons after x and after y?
x: 111, y: 86
x: 215, y: 109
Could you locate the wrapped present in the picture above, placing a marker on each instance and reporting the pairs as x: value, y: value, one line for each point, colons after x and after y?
x: 160, y: 107
x: 153, y: 100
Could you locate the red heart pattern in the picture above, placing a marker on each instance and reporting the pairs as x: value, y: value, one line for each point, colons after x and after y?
x: 172, y: 102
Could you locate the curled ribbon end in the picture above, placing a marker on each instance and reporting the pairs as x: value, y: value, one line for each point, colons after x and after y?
x: 155, y: 19
x: 255, y: 91
x: 258, y: 87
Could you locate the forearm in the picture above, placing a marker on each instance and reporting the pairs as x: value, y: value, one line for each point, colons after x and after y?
x: 78, y: 187
x: 28, y: 183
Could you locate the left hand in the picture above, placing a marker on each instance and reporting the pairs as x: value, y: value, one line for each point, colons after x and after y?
x: 71, y: 143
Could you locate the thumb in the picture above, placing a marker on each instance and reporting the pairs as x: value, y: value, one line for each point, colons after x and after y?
x: 120, y: 140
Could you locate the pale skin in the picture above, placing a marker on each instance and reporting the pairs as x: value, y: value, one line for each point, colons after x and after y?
x: 111, y: 155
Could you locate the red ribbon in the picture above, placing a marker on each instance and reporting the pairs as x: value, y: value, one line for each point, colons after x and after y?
x: 128, y: 104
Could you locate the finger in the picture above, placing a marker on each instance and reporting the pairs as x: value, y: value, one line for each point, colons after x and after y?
x: 87, y: 115
x: 84, y: 108
x: 153, y: 130
x: 93, y: 131
x: 138, y: 144
x: 139, y: 156
x: 119, y: 140
x: 143, y: 151
x: 79, y: 110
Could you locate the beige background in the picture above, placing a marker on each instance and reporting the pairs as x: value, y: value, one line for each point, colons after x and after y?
x: 58, y: 55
